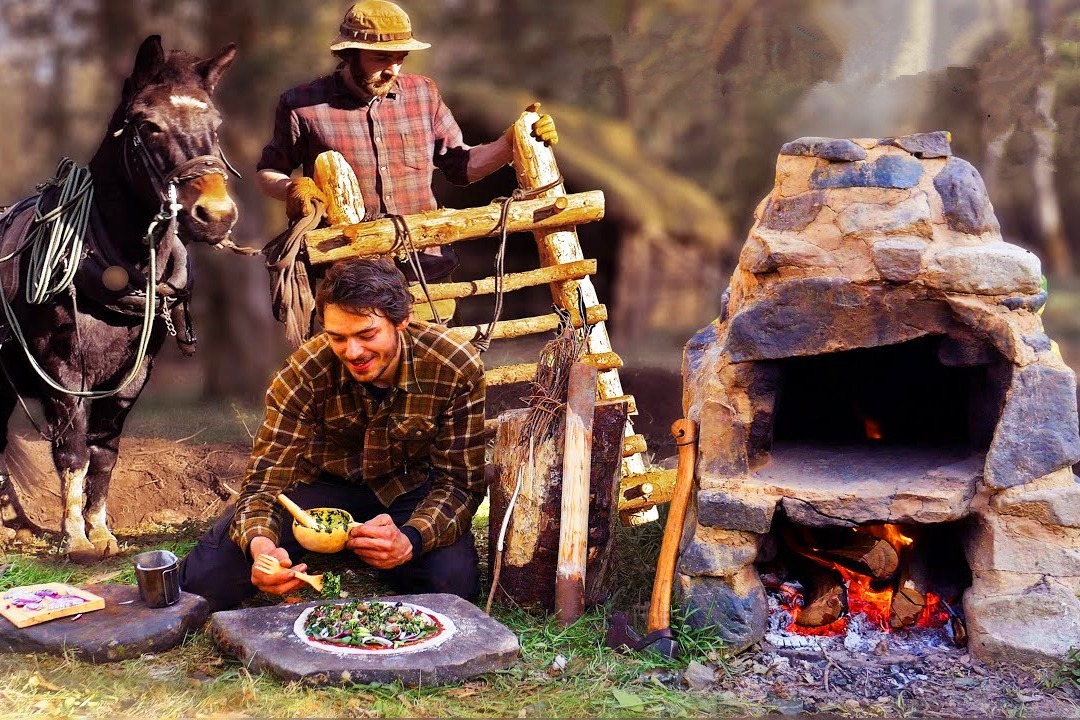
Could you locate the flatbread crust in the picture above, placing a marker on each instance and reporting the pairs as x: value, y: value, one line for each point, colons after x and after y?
x: 446, y: 626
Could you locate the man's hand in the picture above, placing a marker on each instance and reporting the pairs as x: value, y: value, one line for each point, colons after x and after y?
x: 380, y: 543
x: 300, y: 196
x: 278, y: 583
x: 544, y: 130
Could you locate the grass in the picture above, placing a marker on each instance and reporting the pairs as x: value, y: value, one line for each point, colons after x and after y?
x: 562, y: 672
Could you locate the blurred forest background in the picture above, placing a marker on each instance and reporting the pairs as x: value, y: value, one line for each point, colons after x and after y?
x: 676, y: 109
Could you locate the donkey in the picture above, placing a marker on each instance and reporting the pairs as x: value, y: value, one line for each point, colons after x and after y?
x: 85, y: 346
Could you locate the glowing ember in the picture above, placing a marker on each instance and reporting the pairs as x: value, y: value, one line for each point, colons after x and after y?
x: 874, y: 600
x: 872, y: 428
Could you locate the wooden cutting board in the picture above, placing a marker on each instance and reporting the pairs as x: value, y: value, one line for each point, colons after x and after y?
x: 22, y: 617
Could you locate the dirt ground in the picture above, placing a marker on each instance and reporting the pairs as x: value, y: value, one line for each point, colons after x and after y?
x: 156, y: 481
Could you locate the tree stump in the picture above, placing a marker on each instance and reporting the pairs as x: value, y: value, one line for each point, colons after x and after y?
x: 531, y: 545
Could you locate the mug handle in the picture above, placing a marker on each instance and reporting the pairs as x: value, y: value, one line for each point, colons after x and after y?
x: 167, y: 586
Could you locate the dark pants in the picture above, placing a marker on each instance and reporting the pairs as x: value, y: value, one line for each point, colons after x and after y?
x: 220, y: 571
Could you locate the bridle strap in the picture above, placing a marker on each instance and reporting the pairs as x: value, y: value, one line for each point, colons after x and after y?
x: 185, y: 171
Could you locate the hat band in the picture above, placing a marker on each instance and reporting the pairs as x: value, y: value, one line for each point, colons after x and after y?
x: 366, y: 36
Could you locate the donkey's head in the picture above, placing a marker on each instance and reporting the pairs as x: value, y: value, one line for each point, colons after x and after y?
x: 167, y: 126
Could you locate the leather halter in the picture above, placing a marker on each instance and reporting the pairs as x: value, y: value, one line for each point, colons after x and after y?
x: 160, y: 181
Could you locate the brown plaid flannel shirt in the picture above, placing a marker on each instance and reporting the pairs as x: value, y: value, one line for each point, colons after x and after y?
x: 319, y: 419
x: 393, y: 144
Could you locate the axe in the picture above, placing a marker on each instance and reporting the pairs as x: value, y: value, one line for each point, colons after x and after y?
x: 658, y: 636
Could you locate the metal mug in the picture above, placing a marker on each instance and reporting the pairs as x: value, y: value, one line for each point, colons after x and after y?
x: 158, y: 575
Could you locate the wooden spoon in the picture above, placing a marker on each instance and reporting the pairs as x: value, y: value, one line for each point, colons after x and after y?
x: 302, y: 516
x: 270, y: 565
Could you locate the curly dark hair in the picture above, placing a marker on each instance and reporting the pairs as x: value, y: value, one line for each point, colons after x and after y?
x: 365, y: 285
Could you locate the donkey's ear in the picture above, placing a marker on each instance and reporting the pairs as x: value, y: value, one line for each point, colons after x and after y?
x: 215, y: 67
x: 148, y: 62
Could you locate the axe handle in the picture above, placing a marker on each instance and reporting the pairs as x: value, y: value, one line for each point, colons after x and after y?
x: 685, y: 434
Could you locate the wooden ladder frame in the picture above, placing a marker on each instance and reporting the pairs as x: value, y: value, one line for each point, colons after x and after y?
x: 552, y: 217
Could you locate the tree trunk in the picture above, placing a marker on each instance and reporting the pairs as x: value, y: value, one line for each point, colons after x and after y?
x: 531, y: 544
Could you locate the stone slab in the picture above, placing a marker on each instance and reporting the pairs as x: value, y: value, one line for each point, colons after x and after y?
x: 845, y: 486
x: 1037, y: 433
x: 263, y: 639
x: 116, y: 632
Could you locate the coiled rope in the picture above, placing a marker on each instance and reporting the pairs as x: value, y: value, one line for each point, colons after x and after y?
x: 56, y: 236
x: 52, y: 268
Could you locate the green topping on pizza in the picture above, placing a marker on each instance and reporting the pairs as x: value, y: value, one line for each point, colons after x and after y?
x: 370, y: 624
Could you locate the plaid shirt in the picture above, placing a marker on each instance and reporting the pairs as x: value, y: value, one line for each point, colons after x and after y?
x: 318, y: 419
x: 393, y: 144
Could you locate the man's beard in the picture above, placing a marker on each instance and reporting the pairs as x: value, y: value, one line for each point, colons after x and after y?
x: 376, y: 86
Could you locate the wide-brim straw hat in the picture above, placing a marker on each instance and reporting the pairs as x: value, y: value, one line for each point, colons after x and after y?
x: 376, y: 25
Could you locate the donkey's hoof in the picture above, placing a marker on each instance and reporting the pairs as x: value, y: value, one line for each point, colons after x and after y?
x: 83, y: 554
x: 106, y: 545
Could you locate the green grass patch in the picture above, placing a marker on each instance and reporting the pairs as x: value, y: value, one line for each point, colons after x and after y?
x: 562, y: 672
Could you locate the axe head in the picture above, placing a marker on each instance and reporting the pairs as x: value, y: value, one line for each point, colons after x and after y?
x: 620, y: 635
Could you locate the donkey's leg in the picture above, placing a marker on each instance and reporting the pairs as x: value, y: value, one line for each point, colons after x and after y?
x: 67, y: 424
x: 106, y: 422
x: 103, y: 453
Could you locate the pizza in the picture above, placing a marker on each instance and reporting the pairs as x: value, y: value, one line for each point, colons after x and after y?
x: 372, y: 626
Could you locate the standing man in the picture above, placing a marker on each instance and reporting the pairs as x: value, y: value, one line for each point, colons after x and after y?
x: 392, y: 127
x: 379, y: 415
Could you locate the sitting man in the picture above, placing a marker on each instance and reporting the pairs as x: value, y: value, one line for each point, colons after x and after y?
x: 378, y: 415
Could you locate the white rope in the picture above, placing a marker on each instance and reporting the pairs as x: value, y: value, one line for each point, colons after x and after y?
x: 167, y: 213
x: 57, y: 236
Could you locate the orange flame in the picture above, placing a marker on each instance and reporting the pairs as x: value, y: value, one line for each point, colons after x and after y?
x: 872, y: 428
x: 876, y: 605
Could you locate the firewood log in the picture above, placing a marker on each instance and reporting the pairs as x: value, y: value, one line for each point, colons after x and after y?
x: 825, y: 598
x: 868, y: 554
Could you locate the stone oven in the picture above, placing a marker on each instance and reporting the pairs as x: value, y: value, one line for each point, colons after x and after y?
x: 879, y: 363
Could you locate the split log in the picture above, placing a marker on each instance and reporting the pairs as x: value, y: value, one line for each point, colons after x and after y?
x: 909, y: 600
x: 873, y: 556
x: 442, y: 227
x: 824, y: 597
x: 532, y: 538
x: 574, y: 514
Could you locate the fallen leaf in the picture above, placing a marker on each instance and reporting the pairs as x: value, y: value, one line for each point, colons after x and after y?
x: 627, y: 700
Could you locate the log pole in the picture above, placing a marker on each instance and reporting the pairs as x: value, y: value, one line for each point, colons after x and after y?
x: 535, y: 166
x: 442, y: 227
x: 574, y: 516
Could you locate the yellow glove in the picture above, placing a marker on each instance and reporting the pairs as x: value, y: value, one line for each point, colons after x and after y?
x: 544, y: 130
x: 299, y: 196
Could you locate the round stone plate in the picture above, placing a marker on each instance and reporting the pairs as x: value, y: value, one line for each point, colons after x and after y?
x: 447, y: 629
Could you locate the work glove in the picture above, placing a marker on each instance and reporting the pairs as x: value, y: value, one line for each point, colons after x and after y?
x: 300, y: 195
x: 544, y: 130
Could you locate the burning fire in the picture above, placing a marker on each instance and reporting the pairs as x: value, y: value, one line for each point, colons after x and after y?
x: 864, y: 595
x: 872, y: 428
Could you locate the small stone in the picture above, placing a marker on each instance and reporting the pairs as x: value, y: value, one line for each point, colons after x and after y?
x: 898, y: 259
x: 697, y: 676
x: 963, y: 196
x: 825, y: 148
x: 851, y: 703
x: 995, y: 268
x: 882, y: 648
x: 924, y: 145
x: 888, y: 171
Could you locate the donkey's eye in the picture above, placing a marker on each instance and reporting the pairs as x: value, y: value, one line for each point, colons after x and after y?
x: 151, y: 128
